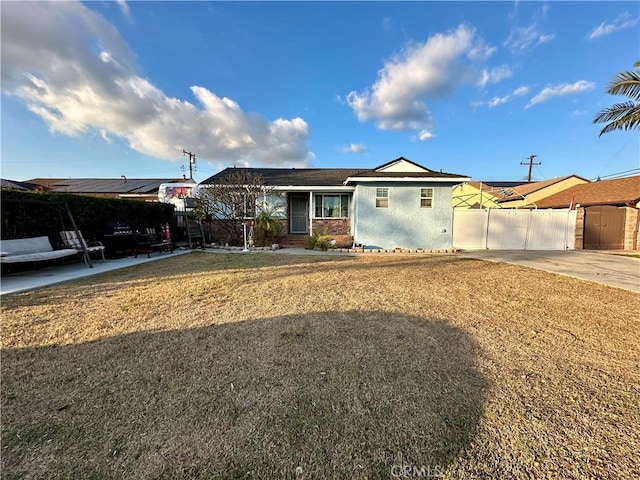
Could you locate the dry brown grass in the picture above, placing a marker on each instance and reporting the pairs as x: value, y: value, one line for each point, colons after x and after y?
x: 250, y: 366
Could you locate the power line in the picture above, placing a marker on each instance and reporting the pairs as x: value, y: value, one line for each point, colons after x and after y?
x: 626, y: 173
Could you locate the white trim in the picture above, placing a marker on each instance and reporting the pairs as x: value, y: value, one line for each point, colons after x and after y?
x: 408, y: 179
x: 314, y: 188
x: 401, y: 165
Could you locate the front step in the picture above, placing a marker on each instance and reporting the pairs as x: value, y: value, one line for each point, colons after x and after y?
x: 292, y: 241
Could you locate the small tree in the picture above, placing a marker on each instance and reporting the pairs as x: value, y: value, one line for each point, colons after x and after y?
x: 268, y: 225
x: 230, y: 202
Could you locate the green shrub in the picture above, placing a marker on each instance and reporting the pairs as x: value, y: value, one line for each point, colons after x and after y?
x: 268, y: 227
x: 319, y: 240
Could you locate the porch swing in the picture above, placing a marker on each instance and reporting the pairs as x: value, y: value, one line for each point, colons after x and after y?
x: 62, y: 209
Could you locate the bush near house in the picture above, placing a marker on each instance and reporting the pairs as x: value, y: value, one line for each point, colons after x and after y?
x: 26, y: 214
x: 320, y: 240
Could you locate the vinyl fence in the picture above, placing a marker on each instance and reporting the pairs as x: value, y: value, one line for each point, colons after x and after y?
x: 507, y: 229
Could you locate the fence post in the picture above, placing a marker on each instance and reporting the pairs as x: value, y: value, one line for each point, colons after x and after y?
x: 486, y: 232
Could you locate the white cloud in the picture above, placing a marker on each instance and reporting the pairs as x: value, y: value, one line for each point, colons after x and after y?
x: 494, y: 75
x: 433, y: 69
x: 523, y: 39
x: 72, y: 68
x: 561, y: 90
x: 354, y: 148
x: 495, y: 101
x: 124, y: 7
x: 425, y: 135
x: 622, y: 22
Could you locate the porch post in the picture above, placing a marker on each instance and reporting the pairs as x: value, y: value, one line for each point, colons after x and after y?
x: 310, y: 213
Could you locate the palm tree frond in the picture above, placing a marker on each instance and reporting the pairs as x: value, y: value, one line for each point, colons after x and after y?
x: 615, y: 112
x: 626, y: 83
x: 622, y: 116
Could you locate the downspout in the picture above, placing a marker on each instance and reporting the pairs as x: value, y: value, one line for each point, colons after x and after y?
x: 354, y: 216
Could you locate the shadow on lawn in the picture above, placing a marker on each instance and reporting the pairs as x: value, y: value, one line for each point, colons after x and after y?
x: 337, y: 394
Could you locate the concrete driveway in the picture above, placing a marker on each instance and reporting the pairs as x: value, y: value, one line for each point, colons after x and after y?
x: 605, y: 268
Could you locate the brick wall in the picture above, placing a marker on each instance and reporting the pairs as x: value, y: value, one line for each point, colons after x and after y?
x: 579, y: 242
x: 338, y: 228
x: 333, y: 226
x: 631, y: 240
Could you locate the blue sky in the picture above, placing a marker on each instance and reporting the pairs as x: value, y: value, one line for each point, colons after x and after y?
x: 104, y: 89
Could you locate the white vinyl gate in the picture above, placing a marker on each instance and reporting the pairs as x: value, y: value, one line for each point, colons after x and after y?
x: 507, y: 229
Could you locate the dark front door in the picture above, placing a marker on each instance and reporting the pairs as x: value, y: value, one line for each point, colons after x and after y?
x: 604, y: 228
x: 299, y: 214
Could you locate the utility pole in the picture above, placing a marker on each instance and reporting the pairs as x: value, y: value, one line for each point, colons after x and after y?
x: 531, y: 164
x: 192, y: 162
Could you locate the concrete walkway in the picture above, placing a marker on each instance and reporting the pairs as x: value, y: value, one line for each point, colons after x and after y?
x: 45, y: 276
x: 606, y: 268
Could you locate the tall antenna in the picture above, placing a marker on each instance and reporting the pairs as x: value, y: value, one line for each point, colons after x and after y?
x: 192, y: 162
x: 531, y: 164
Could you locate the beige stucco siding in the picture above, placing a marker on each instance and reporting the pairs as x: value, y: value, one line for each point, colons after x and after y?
x: 532, y: 198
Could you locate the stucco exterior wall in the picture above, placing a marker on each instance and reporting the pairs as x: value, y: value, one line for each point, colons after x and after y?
x: 404, y: 223
x: 631, y: 229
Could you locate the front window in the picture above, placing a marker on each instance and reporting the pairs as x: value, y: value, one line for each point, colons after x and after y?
x: 332, y: 206
x: 426, y: 197
x: 382, y: 197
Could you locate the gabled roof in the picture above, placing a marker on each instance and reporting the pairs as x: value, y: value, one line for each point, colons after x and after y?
x: 104, y: 185
x: 523, y: 190
x: 414, y: 171
x: 326, y: 177
x: 619, y: 192
x: 400, y: 160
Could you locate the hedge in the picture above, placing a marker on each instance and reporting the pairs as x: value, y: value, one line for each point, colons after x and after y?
x: 29, y: 214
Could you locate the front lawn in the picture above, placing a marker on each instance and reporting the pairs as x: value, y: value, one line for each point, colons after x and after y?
x: 273, y: 366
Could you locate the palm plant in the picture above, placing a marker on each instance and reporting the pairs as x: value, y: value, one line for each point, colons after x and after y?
x: 626, y: 115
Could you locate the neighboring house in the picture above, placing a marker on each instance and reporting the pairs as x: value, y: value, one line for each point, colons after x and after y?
x: 398, y: 204
x: 4, y: 183
x: 529, y: 194
x: 481, y: 194
x: 608, y: 213
x: 130, y: 188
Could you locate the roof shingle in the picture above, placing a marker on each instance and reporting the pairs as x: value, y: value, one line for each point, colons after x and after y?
x: 620, y: 191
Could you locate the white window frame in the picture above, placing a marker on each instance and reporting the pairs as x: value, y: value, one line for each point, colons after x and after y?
x: 426, y: 197
x: 382, y: 197
x: 322, y: 195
